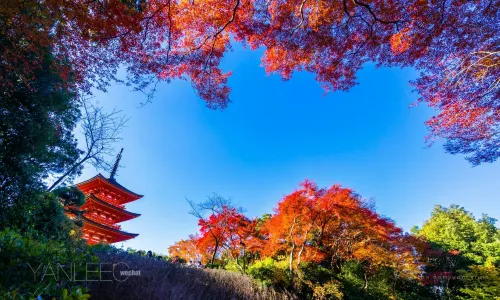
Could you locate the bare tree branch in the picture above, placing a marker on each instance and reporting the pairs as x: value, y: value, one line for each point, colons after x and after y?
x: 102, y: 130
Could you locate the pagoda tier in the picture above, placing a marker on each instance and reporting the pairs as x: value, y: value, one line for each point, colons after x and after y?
x: 109, y: 213
x: 96, y: 232
x: 108, y: 189
x: 104, y: 208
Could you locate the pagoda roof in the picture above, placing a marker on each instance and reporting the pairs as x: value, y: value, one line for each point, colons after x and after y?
x: 119, y: 210
x: 113, y: 183
x: 124, y: 234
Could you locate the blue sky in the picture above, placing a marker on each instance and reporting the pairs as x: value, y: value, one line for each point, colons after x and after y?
x: 277, y: 133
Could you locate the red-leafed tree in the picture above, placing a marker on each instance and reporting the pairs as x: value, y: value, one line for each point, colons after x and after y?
x: 454, y: 43
x: 291, y: 228
x: 464, y: 87
x: 225, y: 227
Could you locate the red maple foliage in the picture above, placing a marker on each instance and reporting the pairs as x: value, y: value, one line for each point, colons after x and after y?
x: 225, y: 230
x: 336, y: 225
x: 187, y: 250
x: 454, y: 43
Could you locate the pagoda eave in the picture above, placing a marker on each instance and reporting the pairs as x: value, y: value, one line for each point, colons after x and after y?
x: 113, y: 235
x: 100, y: 180
x: 121, y: 213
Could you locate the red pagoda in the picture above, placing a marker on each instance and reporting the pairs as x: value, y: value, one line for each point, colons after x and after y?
x: 104, y: 208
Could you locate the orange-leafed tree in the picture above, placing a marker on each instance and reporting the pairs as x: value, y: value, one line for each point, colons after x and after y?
x: 224, y: 231
x: 225, y: 227
x: 291, y: 227
x: 187, y: 250
x: 333, y: 226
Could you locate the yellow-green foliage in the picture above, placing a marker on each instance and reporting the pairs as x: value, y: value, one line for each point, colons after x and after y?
x: 270, y: 272
x: 329, y: 290
x: 455, y: 228
x: 476, y: 244
x: 77, y: 294
x: 233, y: 267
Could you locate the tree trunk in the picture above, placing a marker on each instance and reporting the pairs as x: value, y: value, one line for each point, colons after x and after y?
x: 366, y: 282
x: 302, y: 247
x: 215, y: 253
x: 68, y: 173
x: 293, y: 246
x: 300, y: 253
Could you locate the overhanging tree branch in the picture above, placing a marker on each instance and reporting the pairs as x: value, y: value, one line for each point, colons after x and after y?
x: 101, y: 131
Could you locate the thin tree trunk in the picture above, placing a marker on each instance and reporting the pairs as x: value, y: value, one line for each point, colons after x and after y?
x: 68, y: 173
x: 300, y: 253
x: 241, y: 269
x: 215, y: 253
x: 293, y: 247
x: 366, y: 282
x: 302, y: 247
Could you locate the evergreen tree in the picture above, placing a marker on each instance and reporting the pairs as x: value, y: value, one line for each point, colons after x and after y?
x: 36, y: 137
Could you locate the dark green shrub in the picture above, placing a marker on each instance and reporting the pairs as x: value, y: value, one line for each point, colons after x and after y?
x: 31, y: 266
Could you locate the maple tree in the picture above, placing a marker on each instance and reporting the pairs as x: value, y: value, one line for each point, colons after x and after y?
x: 466, y: 92
x: 225, y: 228
x: 187, y: 250
x: 453, y: 43
x: 291, y: 228
x: 223, y: 231
x: 331, y: 242
x: 335, y: 225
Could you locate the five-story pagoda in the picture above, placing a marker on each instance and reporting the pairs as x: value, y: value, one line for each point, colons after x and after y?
x: 104, y: 208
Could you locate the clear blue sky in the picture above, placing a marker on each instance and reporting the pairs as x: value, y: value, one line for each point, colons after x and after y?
x: 275, y: 134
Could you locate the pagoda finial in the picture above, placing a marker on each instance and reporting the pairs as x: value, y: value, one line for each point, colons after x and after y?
x: 115, y: 166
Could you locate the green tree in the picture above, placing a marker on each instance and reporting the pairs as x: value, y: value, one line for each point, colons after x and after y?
x: 36, y: 136
x: 455, y: 228
x: 470, y: 250
x: 24, y: 260
x: 480, y: 282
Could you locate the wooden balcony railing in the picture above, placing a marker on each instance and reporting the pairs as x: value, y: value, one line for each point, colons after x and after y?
x: 102, y: 220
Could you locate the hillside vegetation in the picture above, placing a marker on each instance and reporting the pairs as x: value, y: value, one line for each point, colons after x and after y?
x: 161, y: 279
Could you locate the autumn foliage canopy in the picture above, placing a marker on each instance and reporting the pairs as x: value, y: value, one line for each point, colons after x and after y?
x: 454, y: 44
x: 311, y: 225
